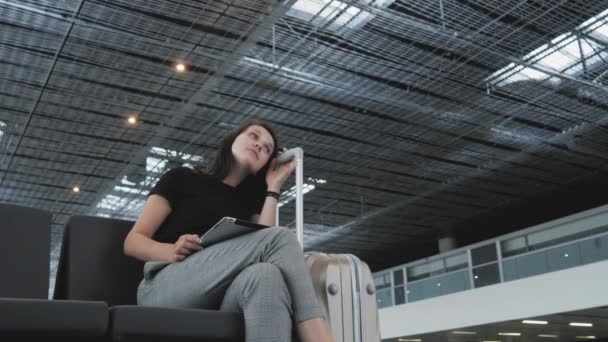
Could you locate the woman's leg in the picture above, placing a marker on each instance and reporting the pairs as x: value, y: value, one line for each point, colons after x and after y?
x: 201, y: 280
x: 259, y: 292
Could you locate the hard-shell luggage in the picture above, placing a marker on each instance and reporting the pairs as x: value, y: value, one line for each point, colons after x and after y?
x: 343, y: 283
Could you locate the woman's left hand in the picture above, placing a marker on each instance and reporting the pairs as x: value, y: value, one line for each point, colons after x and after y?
x: 276, y: 177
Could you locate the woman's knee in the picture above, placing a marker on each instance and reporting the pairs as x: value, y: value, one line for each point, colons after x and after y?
x: 265, y: 272
x: 268, y: 277
x: 282, y: 233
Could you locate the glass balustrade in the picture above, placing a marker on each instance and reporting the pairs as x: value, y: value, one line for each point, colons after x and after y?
x: 559, y: 247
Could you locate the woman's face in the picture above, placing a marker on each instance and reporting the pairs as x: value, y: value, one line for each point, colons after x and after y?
x: 253, y: 148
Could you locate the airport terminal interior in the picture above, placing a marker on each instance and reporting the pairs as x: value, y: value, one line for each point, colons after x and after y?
x: 457, y: 147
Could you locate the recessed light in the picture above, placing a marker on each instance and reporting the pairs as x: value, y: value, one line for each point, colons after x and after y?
x: 132, y: 119
x: 547, y: 336
x: 579, y: 324
x: 509, y: 334
x: 586, y: 337
x: 180, y: 67
x: 464, y: 332
x: 410, y: 340
x: 529, y: 321
x: 76, y: 189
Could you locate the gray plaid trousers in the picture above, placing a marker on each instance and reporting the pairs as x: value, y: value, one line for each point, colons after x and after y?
x: 262, y: 274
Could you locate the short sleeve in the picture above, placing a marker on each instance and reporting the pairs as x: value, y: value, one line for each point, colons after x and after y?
x: 171, y: 185
x: 256, y: 205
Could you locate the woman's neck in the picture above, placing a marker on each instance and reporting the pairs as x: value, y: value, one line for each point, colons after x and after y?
x: 235, y: 176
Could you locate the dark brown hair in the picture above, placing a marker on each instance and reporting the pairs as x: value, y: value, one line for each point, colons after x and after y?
x: 253, y: 185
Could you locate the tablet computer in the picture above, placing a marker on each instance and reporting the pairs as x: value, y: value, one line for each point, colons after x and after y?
x: 228, y: 228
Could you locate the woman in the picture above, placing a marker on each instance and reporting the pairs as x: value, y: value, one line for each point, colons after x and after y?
x: 262, y: 274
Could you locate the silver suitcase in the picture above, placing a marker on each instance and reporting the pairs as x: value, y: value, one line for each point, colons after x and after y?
x: 343, y: 283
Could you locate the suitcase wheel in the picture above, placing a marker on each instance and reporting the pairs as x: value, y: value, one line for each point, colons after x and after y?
x: 332, y: 289
x: 370, y: 289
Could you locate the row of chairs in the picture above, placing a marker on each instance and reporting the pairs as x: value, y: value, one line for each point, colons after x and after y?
x: 95, y: 291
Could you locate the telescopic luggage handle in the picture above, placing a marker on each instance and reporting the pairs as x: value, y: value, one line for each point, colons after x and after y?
x: 298, y: 154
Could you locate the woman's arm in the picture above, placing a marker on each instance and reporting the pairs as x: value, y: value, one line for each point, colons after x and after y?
x: 268, y: 215
x: 139, y: 243
x: 275, y: 177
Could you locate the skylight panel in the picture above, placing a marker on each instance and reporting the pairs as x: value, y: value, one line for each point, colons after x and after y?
x: 564, y: 54
x: 307, y: 187
x: 334, y: 13
x: 128, y: 197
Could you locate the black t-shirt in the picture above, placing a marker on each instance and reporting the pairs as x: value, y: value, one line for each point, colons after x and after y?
x: 198, y: 201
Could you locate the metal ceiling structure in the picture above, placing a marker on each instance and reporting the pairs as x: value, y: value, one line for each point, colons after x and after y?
x: 414, y: 115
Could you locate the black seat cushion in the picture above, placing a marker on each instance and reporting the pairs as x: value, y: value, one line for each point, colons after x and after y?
x: 45, y: 317
x: 147, y: 323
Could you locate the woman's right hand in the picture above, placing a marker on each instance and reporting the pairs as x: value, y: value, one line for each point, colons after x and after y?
x: 184, y: 246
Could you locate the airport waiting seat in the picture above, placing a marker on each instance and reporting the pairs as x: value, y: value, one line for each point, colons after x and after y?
x: 95, y: 268
x: 25, y: 310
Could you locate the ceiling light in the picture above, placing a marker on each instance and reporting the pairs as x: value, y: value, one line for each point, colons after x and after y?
x: 547, y: 336
x: 490, y: 341
x: 509, y: 334
x: 180, y: 67
x: 76, y: 189
x: 464, y: 332
x: 410, y: 340
x: 132, y: 119
x: 586, y: 337
x: 527, y: 321
x: 578, y: 324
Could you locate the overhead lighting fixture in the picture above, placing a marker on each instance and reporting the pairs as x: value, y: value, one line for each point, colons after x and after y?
x: 180, y: 67
x: 528, y: 321
x: 464, y: 333
x: 509, y: 334
x: 547, y: 336
x: 132, y: 119
x: 586, y: 337
x: 76, y: 189
x: 490, y: 341
x: 579, y: 324
x: 410, y: 340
